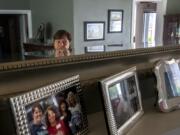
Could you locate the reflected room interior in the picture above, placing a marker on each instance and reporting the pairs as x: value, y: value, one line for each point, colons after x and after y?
x: 148, y: 24
x: 27, y: 27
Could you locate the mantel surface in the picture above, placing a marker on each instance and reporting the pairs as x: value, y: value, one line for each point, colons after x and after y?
x: 151, y: 123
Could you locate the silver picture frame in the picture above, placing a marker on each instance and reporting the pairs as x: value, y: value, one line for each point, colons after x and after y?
x: 22, y: 105
x: 167, y: 73
x: 123, y: 105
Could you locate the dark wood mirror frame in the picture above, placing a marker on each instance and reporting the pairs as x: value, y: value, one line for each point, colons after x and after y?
x: 52, y: 62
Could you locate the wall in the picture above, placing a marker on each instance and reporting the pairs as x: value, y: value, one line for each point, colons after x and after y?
x: 161, y: 11
x: 139, y: 26
x: 173, y: 6
x: 59, y: 13
x: 14, y: 4
x: 96, y: 10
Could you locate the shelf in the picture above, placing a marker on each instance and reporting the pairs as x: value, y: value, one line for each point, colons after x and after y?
x: 29, y: 47
x: 38, y: 51
x: 97, y: 124
x: 151, y: 123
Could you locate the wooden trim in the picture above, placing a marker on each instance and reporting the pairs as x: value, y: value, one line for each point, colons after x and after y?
x: 51, y: 62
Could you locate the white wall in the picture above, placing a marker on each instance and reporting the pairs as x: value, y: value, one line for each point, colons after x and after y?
x: 161, y: 11
x: 96, y: 10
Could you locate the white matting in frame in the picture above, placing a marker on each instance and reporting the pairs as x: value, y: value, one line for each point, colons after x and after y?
x: 168, y: 84
x: 122, y: 101
x: 94, y: 30
x: 58, y: 98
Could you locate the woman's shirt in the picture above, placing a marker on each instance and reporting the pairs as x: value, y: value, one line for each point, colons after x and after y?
x: 38, y: 129
x: 76, y: 108
x: 60, y: 127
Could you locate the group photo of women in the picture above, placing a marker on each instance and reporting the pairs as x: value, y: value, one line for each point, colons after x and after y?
x: 59, y: 114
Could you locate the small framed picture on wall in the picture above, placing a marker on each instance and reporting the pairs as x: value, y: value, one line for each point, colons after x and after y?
x: 115, y: 21
x: 94, y: 30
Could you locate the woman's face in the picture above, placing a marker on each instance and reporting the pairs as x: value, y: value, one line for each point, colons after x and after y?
x: 72, y: 100
x: 62, y: 43
x: 37, y: 115
x: 51, y: 117
x: 63, y: 107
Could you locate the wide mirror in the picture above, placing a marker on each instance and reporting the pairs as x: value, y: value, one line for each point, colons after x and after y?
x: 27, y: 26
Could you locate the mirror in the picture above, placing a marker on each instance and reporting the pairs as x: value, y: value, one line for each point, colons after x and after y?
x: 140, y: 22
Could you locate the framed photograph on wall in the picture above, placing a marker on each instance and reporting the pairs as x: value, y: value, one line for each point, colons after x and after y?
x: 122, y: 101
x: 115, y: 21
x: 54, y: 109
x: 94, y: 30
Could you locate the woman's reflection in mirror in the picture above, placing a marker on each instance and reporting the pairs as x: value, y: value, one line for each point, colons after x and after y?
x: 61, y: 43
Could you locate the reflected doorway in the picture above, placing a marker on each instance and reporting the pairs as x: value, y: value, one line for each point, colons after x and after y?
x: 15, y: 28
x: 10, y: 37
x: 147, y: 23
x: 149, y: 29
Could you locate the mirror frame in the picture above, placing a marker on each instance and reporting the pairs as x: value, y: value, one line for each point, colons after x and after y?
x: 75, y: 59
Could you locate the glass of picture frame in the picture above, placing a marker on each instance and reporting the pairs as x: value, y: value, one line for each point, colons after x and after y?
x: 94, y: 30
x: 54, y: 109
x: 168, y: 84
x: 122, y: 101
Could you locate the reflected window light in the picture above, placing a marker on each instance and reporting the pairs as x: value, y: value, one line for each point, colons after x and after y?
x: 115, y: 91
x: 149, y: 29
x: 118, y: 86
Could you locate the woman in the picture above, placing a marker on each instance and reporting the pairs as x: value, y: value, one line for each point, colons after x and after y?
x: 54, y: 125
x: 61, y: 42
x: 36, y: 127
x: 65, y: 115
x: 75, y: 109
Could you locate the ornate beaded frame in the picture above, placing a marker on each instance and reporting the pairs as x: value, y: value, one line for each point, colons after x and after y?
x: 19, y: 102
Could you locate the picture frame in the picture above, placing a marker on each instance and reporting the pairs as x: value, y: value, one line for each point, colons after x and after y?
x: 95, y: 49
x: 122, y: 101
x: 36, y: 111
x: 167, y: 74
x: 94, y: 30
x: 115, y: 20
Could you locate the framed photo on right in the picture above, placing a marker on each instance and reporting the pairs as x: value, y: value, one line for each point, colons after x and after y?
x: 122, y: 101
x: 168, y: 84
x: 115, y: 20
